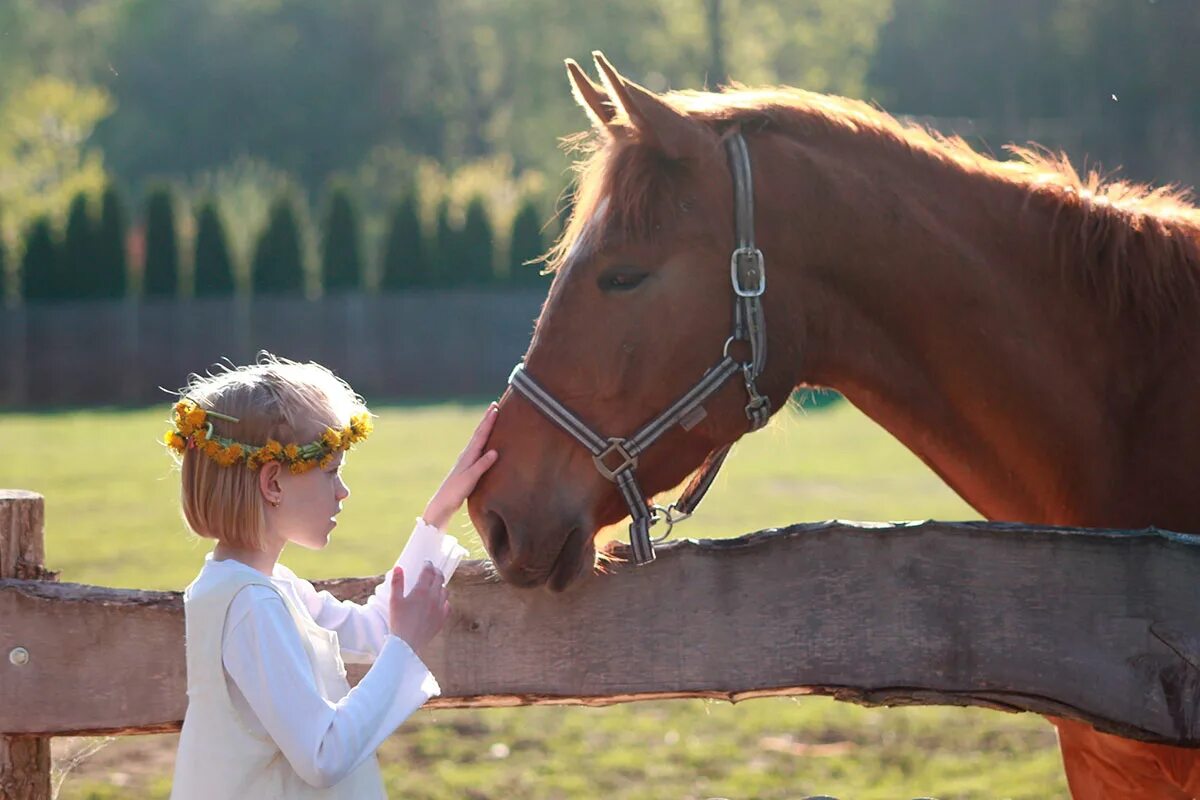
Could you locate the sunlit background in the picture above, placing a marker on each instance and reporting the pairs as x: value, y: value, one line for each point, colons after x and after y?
x: 185, y: 180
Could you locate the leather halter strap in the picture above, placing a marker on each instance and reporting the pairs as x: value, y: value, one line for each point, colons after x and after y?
x: 616, y: 458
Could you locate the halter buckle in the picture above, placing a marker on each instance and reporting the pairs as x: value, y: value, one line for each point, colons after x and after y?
x: 627, y: 461
x: 747, y: 269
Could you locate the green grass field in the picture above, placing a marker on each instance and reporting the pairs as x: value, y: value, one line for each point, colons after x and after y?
x: 112, y: 519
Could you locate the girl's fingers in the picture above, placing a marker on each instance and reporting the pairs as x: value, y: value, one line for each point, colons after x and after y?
x: 483, y: 428
x: 481, y: 465
x: 463, y: 483
x: 475, y: 445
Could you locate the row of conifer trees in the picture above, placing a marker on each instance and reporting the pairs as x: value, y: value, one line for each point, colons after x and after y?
x: 89, y: 257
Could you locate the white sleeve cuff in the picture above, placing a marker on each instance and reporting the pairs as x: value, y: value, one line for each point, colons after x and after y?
x: 429, y: 544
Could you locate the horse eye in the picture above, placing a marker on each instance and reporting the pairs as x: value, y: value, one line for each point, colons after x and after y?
x: 620, y: 280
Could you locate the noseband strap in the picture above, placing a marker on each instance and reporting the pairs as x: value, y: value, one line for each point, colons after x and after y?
x: 617, y: 458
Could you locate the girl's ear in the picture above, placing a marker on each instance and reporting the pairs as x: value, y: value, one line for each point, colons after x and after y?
x: 268, y: 482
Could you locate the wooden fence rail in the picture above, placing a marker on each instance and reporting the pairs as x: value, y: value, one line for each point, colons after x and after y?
x: 1096, y: 625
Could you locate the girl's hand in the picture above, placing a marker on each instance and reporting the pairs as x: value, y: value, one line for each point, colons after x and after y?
x: 417, y: 618
x: 467, y: 471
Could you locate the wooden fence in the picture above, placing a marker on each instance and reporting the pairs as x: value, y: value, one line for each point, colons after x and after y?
x: 1095, y: 625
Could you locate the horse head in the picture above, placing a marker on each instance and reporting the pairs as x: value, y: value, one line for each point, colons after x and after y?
x: 639, y: 309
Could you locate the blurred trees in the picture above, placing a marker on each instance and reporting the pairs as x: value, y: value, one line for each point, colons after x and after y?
x: 527, y: 245
x: 78, y: 277
x: 238, y: 101
x: 341, y: 250
x: 477, y: 249
x: 161, y: 275
x: 40, y: 273
x: 45, y: 155
x: 278, y: 266
x: 109, y: 263
x: 446, y: 247
x: 314, y: 86
x: 212, y: 264
x: 405, y: 256
x: 1103, y: 79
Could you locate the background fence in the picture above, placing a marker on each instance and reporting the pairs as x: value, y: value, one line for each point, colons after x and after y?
x: 414, y: 345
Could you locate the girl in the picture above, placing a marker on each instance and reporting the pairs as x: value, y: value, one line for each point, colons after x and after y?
x: 270, y: 714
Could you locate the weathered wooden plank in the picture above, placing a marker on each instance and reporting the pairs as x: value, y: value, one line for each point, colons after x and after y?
x: 1090, y: 624
x: 24, y: 760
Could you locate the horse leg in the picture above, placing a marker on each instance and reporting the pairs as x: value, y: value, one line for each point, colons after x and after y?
x: 1100, y: 766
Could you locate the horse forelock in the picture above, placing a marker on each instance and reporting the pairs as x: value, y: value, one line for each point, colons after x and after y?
x: 625, y: 193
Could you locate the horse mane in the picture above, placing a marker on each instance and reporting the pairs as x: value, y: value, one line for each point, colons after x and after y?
x: 1136, y: 246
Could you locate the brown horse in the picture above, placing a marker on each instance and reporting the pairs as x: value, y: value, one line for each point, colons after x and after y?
x: 1028, y: 333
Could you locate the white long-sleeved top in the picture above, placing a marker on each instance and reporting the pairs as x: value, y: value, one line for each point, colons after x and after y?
x: 271, y: 680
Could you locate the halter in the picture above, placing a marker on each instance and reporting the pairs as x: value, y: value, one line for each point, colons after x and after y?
x: 617, y: 458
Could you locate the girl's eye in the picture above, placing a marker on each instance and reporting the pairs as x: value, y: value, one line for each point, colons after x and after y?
x: 620, y: 280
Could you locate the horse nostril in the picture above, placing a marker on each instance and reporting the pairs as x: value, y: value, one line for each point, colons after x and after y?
x: 507, y: 558
x: 497, y: 536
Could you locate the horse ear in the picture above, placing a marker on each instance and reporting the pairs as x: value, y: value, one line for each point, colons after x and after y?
x: 591, y: 96
x: 674, y: 133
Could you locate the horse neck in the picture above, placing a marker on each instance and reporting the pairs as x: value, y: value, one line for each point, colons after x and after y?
x: 932, y: 299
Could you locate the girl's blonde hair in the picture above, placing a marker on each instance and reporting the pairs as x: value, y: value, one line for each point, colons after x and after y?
x: 274, y: 398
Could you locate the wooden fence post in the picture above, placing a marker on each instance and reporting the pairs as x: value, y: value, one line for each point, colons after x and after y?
x: 24, y: 760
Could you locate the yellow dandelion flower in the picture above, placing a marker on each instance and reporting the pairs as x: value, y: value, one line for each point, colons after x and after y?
x: 331, y: 438
x: 273, y: 448
x: 360, y: 426
x: 212, y: 449
x: 292, y: 452
x: 234, y: 452
x: 175, y: 441
x: 196, y: 417
x: 326, y: 460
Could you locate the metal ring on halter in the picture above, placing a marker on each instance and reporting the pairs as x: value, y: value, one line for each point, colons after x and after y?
x: 668, y: 516
x: 725, y: 350
x: 657, y: 514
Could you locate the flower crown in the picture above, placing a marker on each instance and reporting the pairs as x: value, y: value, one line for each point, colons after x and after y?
x: 193, y: 430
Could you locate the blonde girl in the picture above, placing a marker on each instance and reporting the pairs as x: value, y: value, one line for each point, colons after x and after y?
x: 270, y: 714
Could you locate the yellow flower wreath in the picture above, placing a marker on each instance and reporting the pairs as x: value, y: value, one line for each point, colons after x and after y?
x: 193, y: 430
